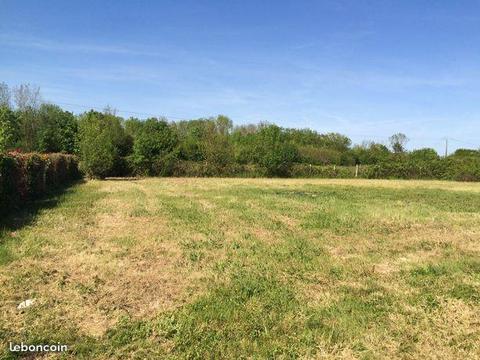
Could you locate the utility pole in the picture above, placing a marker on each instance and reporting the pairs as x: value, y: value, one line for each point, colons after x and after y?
x: 446, y: 146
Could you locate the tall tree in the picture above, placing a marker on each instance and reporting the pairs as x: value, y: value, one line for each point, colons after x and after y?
x: 275, y: 153
x: 216, y: 146
x: 57, y: 130
x: 154, y: 140
x: 9, y: 130
x: 27, y: 97
x: 5, y: 95
x: 28, y: 100
x: 398, y: 142
x: 101, y: 143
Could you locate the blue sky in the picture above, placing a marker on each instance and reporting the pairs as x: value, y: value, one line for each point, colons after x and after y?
x: 363, y: 68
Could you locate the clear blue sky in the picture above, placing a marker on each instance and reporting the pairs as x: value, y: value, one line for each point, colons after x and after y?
x: 363, y: 68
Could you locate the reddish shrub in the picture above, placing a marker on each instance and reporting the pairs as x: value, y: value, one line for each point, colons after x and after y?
x: 25, y: 177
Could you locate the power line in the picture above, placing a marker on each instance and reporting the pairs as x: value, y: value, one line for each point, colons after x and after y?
x: 384, y: 138
x: 119, y: 110
x: 464, y: 142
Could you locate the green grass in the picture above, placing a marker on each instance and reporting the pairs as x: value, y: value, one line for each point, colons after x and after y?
x: 247, y: 268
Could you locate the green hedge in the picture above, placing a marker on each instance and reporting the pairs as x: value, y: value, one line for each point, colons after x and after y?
x: 182, y: 168
x: 202, y: 169
x: 26, y: 177
x: 328, y: 171
x: 458, y: 169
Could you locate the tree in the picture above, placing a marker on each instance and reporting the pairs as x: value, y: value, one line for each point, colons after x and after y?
x: 216, y: 146
x: 155, y: 139
x: 57, y: 130
x: 243, y: 139
x: 9, y: 130
x: 335, y: 141
x: 319, y: 156
x: 370, y: 152
x: 101, y: 144
x: 466, y: 153
x: 5, y: 95
x: 425, y: 154
x: 190, y: 135
x: 398, y: 142
x: 28, y: 100
x: 275, y: 154
x: 27, y: 97
x: 133, y: 127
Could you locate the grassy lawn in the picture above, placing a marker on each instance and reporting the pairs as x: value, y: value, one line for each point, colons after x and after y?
x: 247, y: 268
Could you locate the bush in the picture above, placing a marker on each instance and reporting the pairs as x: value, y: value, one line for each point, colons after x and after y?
x: 274, y: 153
x: 26, y: 177
x: 152, y: 148
x: 102, y: 144
x: 463, y: 169
x: 164, y: 165
x: 452, y: 168
x: 9, y: 129
x: 319, y: 156
x: 328, y: 171
x: 184, y: 168
x: 407, y: 169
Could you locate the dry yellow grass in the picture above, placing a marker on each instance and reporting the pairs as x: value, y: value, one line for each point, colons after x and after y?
x: 250, y: 267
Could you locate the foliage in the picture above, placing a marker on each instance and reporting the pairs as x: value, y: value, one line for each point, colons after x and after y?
x: 273, y: 152
x: 370, y: 153
x: 102, y: 144
x: 5, y: 95
x: 190, y: 135
x: 108, y: 145
x: 9, y: 129
x: 57, y: 130
x: 25, y: 177
x: 463, y: 169
x: 466, y: 153
x: 398, y: 142
x: 425, y: 154
x: 460, y: 169
x: 319, y: 156
x: 154, y: 140
x: 328, y: 171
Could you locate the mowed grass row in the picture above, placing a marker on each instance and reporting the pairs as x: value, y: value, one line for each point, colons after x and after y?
x: 248, y: 268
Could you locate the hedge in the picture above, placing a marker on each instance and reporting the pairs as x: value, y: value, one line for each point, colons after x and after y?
x: 328, y: 171
x: 458, y: 169
x: 25, y: 177
x: 182, y: 168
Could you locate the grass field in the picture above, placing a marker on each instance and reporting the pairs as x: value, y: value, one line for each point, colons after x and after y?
x: 244, y: 268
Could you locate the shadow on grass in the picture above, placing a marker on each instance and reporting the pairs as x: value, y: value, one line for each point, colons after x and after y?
x: 25, y: 214
x: 126, y: 178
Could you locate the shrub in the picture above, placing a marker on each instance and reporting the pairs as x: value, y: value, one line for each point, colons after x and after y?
x: 153, y: 144
x: 319, y: 156
x: 9, y: 129
x: 452, y: 168
x: 102, y: 144
x: 328, y: 171
x: 184, y: 168
x: 35, y: 167
x: 57, y: 130
x: 25, y: 177
x: 463, y: 169
x: 164, y: 165
x: 274, y: 153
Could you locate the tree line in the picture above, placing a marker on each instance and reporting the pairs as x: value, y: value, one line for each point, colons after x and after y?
x: 109, y: 145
